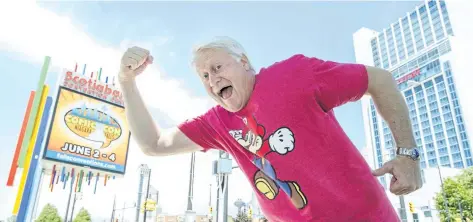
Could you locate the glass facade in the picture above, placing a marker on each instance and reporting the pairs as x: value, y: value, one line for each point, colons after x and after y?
x: 384, y: 51
x: 428, y: 87
x: 436, y: 118
x: 427, y: 25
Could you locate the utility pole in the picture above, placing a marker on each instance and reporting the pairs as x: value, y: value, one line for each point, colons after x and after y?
x: 123, y: 211
x: 210, y: 202
x: 70, y: 195
x: 147, y: 194
x: 76, y: 197
x: 445, y: 203
x: 191, y: 183
x: 73, y: 206
x: 222, y: 169
x: 114, y: 207
x: 403, y: 208
x: 144, y: 170
x: 225, y: 198
x: 190, y: 212
x: 217, y: 206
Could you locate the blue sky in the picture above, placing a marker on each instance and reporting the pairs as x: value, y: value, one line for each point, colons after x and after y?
x: 270, y: 32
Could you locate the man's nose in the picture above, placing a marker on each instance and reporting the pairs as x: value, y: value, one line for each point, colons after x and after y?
x: 214, y: 80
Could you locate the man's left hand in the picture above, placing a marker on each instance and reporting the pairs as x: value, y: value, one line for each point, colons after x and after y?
x: 406, y: 175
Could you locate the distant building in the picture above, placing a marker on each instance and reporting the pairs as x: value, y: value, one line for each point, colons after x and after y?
x: 429, y: 53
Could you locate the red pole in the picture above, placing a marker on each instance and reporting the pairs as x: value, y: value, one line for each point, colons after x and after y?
x: 14, y: 163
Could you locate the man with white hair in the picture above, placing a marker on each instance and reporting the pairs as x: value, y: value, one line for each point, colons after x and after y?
x: 279, y: 126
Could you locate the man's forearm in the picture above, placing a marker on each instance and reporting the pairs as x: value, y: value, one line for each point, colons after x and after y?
x: 392, y: 107
x: 139, y: 119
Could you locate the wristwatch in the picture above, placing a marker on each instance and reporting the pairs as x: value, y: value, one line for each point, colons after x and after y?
x: 412, y: 153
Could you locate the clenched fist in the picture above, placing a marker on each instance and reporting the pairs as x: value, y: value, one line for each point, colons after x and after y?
x: 134, y: 62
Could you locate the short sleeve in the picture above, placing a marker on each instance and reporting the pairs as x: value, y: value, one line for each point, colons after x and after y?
x: 333, y: 83
x: 200, y: 132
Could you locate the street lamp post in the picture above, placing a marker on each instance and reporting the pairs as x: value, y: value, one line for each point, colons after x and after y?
x: 77, y: 196
x: 147, y: 194
x: 445, y: 202
x: 144, y: 171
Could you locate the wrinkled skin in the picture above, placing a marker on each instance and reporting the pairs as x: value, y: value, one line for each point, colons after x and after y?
x: 218, y: 69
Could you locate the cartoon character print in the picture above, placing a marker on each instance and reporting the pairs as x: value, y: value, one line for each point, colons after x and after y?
x: 252, y: 137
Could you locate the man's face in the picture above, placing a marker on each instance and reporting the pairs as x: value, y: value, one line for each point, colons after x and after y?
x: 228, y: 81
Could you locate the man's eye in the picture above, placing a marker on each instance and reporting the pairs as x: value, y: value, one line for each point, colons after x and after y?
x: 206, y: 75
x: 218, y: 67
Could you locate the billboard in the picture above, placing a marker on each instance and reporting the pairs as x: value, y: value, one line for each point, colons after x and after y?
x: 88, y: 131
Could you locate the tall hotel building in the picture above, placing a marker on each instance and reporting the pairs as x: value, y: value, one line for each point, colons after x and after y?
x: 430, y: 53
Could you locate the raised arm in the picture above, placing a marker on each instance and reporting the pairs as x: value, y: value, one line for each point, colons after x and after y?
x: 151, y: 139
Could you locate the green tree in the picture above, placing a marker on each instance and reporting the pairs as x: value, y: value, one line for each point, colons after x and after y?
x: 49, y: 214
x: 11, y: 219
x: 458, y: 190
x: 242, y: 217
x: 82, y: 216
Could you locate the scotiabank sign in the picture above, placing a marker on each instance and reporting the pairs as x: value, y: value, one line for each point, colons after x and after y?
x: 92, y: 87
x: 408, y: 76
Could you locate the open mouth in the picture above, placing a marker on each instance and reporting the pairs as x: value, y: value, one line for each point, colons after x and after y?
x: 226, y: 92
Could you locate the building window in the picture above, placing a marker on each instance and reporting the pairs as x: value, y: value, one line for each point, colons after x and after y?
x: 469, y: 162
x: 407, y: 36
x: 446, y: 19
x: 424, y: 17
x: 374, y: 49
x: 436, y: 21
x: 422, y: 174
x: 392, y: 50
x: 384, y: 51
x: 416, y: 31
x: 399, y: 42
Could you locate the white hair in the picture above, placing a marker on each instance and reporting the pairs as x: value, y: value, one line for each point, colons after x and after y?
x: 222, y: 42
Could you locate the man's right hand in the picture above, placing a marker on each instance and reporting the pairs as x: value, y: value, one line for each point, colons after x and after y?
x: 151, y: 139
x: 134, y: 62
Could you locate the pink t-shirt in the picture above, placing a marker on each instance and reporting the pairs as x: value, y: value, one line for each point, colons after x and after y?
x: 288, y: 143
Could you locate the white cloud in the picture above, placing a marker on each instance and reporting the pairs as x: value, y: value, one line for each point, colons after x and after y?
x: 34, y: 32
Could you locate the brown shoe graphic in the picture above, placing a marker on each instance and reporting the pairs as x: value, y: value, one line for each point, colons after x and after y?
x: 297, y: 197
x: 265, y: 185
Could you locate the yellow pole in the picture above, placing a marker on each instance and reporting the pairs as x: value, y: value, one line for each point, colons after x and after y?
x: 29, y: 152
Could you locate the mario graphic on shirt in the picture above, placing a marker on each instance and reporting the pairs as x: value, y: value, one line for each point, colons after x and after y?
x: 252, y: 138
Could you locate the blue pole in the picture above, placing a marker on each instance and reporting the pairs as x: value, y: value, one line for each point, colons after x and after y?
x: 25, y: 200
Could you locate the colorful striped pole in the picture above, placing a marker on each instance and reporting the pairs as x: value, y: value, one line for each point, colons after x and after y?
x: 83, y: 71
x: 100, y: 73
x: 96, y: 181
x: 27, y: 191
x: 31, y: 143
x: 34, y: 112
x: 14, y: 165
x: 53, y: 174
x: 80, y: 180
x: 65, y: 181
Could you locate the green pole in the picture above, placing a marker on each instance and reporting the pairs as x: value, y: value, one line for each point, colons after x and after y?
x: 34, y: 111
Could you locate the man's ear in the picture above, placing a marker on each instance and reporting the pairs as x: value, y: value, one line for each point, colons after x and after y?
x: 245, y: 62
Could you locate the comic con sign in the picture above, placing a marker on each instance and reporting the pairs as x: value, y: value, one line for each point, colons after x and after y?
x: 88, y: 131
